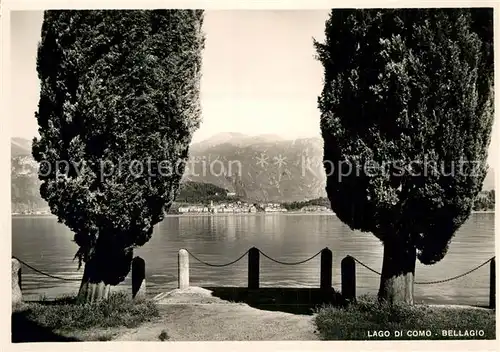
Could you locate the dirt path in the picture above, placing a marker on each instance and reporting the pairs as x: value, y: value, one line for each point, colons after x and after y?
x: 194, y: 315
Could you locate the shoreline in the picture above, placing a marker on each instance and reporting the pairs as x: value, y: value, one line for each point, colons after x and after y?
x: 201, y: 214
x: 291, y: 213
x: 231, y: 214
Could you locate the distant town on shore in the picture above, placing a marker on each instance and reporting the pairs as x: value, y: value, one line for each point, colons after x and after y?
x: 244, y: 207
x: 204, y: 198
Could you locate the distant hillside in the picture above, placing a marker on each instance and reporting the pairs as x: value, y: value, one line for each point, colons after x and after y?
x: 194, y: 192
x: 25, y: 186
x: 263, y: 178
x: 489, y: 180
x: 234, y: 139
x: 256, y: 168
x: 220, y: 138
x: 263, y: 169
x: 20, y: 147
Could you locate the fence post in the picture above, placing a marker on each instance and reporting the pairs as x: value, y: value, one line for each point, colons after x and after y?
x: 492, y: 284
x: 348, y: 272
x: 17, y: 295
x: 138, y: 278
x: 253, y: 268
x: 183, y: 269
x: 326, y: 269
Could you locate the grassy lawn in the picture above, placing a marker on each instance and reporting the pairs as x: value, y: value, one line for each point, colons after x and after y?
x: 56, y: 320
x: 66, y: 319
x: 368, y: 319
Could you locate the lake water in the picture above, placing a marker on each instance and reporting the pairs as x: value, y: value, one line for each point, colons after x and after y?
x: 47, y: 245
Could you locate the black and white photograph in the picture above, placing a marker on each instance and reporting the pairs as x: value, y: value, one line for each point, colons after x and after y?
x: 210, y: 174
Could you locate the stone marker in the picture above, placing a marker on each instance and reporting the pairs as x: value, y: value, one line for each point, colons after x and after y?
x: 253, y: 268
x: 326, y: 269
x: 138, y: 279
x: 17, y: 295
x: 348, y: 275
x: 183, y: 268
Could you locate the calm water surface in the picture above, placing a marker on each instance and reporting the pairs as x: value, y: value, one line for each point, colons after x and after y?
x: 47, y: 245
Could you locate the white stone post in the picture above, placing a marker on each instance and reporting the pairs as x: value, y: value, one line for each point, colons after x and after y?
x: 183, y: 269
x: 17, y: 295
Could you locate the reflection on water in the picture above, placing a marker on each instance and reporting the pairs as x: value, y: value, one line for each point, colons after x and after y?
x: 218, y: 239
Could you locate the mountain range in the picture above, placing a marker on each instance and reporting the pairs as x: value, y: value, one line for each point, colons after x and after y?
x: 256, y: 168
x: 260, y: 168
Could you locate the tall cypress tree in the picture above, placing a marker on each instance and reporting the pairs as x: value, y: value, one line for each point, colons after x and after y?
x: 406, y: 116
x: 118, y: 106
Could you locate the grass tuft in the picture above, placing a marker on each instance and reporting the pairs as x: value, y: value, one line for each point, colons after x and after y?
x: 67, y: 313
x: 105, y: 337
x: 163, y: 335
x: 359, y: 320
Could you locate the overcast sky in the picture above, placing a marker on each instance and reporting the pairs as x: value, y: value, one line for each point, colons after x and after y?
x: 259, y: 72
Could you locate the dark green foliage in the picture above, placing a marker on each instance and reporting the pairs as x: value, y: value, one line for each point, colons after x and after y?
x: 199, y: 192
x: 485, y: 201
x: 298, y: 205
x: 409, y: 92
x: 119, y: 92
x: 69, y: 314
x: 355, y: 321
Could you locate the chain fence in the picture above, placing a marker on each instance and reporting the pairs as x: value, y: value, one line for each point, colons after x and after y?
x: 244, y: 254
x: 44, y: 273
x: 273, y: 260
x: 432, y: 282
x: 290, y: 263
x: 355, y: 259
x: 217, y: 265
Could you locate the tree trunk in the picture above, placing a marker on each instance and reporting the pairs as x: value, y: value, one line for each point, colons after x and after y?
x: 108, y: 266
x: 93, y: 288
x: 398, y: 272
